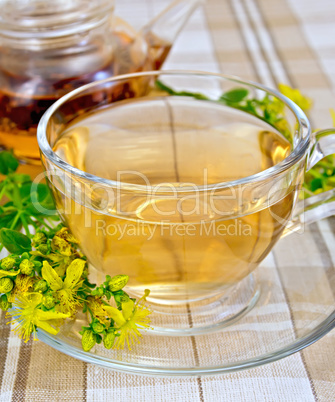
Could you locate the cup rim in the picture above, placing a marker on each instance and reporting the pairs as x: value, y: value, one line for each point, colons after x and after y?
x: 295, y: 156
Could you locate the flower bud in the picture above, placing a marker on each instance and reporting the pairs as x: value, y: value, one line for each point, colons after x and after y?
x: 85, y: 272
x: 109, y: 339
x: 37, y: 264
x: 98, y: 327
x: 26, y: 267
x: 88, y: 340
x: 49, y: 302
x: 6, y: 285
x: 39, y: 238
x: 43, y: 248
x: 40, y: 286
x: 4, y: 303
x: 7, y: 263
x: 121, y: 297
x: 124, y: 298
x: 118, y: 282
x: 98, y: 292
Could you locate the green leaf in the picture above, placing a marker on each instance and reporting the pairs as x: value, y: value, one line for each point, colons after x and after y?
x: 164, y: 87
x: 25, y: 191
x: 21, y: 178
x: 42, y: 191
x: 15, y: 242
x: 7, y: 217
x: 170, y: 91
x: 25, y: 256
x: 42, y: 197
x: 195, y: 95
x: 267, y: 115
x: 315, y: 184
x: 8, y: 163
x: 251, y: 108
x: 235, y: 95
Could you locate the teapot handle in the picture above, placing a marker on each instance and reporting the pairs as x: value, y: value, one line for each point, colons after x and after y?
x: 322, y: 205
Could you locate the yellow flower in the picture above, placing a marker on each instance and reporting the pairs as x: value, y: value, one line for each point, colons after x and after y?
x: 59, y: 261
x: 283, y: 127
x: 65, y: 291
x: 275, y: 106
x: 66, y: 235
x: 132, y: 318
x: 62, y: 246
x: 23, y: 283
x: 98, y: 309
x: 28, y: 316
x: 296, y: 96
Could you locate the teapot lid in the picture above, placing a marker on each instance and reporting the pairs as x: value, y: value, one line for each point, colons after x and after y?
x: 51, y: 18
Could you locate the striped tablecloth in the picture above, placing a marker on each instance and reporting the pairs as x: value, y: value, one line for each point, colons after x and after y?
x: 269, y: 41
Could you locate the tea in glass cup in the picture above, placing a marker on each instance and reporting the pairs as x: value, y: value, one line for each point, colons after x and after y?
x: 185, y: 193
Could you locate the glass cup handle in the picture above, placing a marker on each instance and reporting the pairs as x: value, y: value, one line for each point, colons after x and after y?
x: 322, y: 205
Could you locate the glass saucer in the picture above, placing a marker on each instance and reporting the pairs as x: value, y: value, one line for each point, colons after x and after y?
x: 289, y: 304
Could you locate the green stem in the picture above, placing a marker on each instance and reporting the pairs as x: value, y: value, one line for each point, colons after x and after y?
x: 31, y: 222
x: 91, y: 314
x: 25, y: 225
x: 42, y: 222
x: 16, y: 195
x: 3, y: 190
x: 17, y: 217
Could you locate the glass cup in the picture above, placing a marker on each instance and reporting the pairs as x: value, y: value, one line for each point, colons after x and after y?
x: 178, y: 179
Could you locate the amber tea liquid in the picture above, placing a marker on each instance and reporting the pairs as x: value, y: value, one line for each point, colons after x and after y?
x: 24, y: 97
x: 182, y: 246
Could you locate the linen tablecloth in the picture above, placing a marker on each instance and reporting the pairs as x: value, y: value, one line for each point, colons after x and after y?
x: 269, y: 41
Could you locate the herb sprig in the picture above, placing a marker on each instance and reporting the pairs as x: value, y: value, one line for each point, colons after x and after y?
x: 18, y: 195
x: 271, y: 110
x: 268, y: 109
x: 45, y: 278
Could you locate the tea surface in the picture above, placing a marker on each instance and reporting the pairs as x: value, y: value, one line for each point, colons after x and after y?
x: 181, y: 246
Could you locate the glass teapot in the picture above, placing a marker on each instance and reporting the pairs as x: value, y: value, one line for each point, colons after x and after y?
x: 49, y: 47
